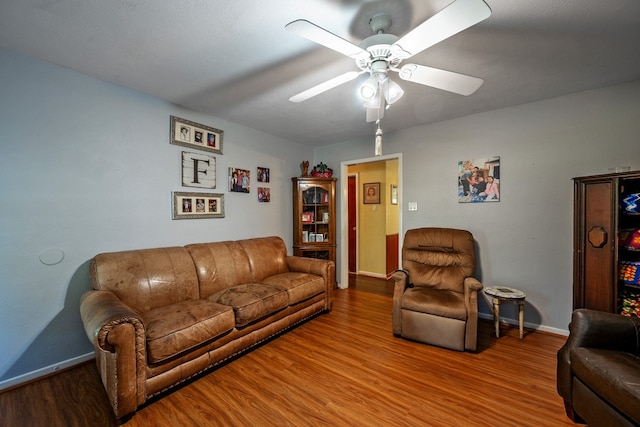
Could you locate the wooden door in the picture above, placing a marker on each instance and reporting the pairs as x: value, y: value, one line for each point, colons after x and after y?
x: 596, y: 232
x: 352, y: 222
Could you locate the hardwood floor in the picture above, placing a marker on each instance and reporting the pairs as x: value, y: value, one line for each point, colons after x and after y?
x: 344, y: 368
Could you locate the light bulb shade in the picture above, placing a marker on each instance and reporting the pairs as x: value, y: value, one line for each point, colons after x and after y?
x: 373, y: 102
x: 392, y: 91
x: 369, y: 88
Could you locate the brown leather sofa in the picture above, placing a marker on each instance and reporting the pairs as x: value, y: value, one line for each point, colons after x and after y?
x: 599, y: 369
x: 157, y: 317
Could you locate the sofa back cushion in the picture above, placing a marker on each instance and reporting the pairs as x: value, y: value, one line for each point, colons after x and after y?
x: 267, y: 257
x: 147, y: 278
x: 219, y: 265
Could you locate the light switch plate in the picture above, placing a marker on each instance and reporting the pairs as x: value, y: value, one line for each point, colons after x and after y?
x: 413, y: 206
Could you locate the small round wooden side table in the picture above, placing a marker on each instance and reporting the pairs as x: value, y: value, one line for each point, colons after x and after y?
x: 500, y: 294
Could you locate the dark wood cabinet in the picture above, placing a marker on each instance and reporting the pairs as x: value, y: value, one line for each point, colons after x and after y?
x: 314, y: 217
x: 603, y: 212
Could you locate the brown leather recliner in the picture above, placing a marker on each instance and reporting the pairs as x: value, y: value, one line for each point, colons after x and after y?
x: 435, y: 299
x: 599, y: 369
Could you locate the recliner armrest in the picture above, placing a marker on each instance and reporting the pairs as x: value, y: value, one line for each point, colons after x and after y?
x: 400, y: 276
x: 472, y: 284
x: 401, y: 279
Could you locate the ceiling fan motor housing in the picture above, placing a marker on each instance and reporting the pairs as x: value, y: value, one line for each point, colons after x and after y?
x: 378, y: 48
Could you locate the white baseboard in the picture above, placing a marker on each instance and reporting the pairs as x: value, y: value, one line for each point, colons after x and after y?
x: 33, y: 375
x: 527, y: 325
x: 370, y: 274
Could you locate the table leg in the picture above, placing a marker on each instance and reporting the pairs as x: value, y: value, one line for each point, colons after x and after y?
x: 521, y: 318
x: 496, y: 315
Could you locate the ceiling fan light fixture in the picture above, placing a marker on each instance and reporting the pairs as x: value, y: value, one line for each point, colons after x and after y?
x: 392, y: 91
x: 369, y: 88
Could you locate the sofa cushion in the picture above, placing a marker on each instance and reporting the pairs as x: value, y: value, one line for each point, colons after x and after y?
x: 613, y: 375
x: 177, y: 327
x: 252, y: 301
x: 299, y: 286
x: 435, y: 301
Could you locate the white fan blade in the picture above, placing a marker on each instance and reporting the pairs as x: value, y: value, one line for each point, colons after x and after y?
x: 440, y: 79
x: 458, y: 16
x: 323, y: 87
x: 312, y: 32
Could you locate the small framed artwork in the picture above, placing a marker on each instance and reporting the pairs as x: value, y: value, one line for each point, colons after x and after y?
x: 479, y: 180
x: 371, y: 193
x: 394, y: 194
x: 197, y: 205
x: 198, y: 170
x: 195, y: 135
x: 239, y: 180
x: 263, y: 174
x: 264, y: 194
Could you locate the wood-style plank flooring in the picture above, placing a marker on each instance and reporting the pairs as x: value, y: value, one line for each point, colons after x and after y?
x: 344, y: 368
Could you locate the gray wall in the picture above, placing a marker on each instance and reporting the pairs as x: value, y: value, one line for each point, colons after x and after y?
x: 86, y: 167
x: 525, y: 240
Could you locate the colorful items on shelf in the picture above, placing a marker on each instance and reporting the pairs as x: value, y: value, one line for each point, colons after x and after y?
x: 631, y: 203
x: 630, y: 303
x: 629, y: 272
x: 322, y: 171
x: 629, y: 239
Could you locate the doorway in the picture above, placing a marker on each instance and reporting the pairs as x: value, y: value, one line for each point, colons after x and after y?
x: 350, y: 229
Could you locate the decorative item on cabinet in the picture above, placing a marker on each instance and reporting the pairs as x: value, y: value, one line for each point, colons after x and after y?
x: 322, y: 171
x: 305, y: 168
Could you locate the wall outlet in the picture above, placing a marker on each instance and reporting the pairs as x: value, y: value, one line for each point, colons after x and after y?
x: 413, y: 206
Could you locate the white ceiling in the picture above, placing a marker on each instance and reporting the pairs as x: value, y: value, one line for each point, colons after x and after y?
x: 234, y: 59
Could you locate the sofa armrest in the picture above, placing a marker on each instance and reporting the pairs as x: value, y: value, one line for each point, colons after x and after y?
x: 118, y: 336
x: 320, y: 267
x: 101, y: 312
x: 595, y: 329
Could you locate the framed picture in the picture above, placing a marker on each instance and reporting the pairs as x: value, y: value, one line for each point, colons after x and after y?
x: 195, y: 135
x: 479, y: 180
x: 264, y: 194
x: 239, y: 180
x: 197, y: 205
x: 307, y: 217
x: 263, y: 174
x: 394, y: 194
x: 371, y: 193
x: 198, y: 170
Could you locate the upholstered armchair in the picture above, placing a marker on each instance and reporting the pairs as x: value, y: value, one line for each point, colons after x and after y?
x: 435, y: 299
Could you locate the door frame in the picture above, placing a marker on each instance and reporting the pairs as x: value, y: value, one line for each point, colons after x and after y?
x: 343, y: 260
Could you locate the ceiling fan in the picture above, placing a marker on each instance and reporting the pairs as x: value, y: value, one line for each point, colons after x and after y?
x: 382, y: 52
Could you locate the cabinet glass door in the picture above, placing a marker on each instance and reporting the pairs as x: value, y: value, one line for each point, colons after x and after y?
x: 315, y: 214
